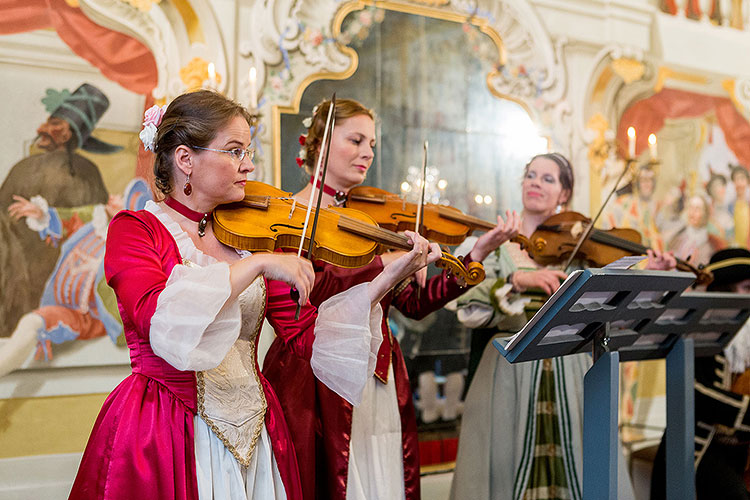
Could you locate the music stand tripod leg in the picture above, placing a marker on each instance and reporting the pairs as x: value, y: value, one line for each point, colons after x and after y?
x: 600, y: 406
x: 680, y: 433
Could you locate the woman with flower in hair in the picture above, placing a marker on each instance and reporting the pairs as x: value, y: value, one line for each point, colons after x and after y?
x: 196, y: 419
x: 369, y: 451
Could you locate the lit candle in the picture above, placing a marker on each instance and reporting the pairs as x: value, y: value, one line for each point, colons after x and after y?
x: 631, y: 142
x: 211, y: 76
x: 253, y: 89
x: 652, y: 145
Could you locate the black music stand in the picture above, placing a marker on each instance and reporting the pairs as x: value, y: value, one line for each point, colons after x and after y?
x: 621, y: 314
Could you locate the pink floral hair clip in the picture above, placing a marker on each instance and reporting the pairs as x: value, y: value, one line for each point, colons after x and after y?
x: 151, y: 120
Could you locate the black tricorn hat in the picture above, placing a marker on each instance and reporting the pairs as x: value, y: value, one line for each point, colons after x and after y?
x: 729, y: 266
x: 82, y: 110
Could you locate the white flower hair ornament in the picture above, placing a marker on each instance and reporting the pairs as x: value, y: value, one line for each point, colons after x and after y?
x: 151, y: 120
x: 307, y: 123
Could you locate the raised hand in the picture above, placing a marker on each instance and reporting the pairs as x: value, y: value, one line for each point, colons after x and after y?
x: 490, y: 240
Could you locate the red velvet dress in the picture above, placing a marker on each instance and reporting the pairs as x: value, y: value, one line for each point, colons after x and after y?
x: 142, y: 444
x: 319, y: 420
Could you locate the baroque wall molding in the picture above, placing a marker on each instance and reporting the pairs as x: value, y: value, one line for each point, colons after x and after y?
x: 162, y: 28
x: 294, y: 42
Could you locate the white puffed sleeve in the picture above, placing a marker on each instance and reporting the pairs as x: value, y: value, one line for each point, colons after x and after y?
x: 347, y: 338
x: 194, y: 326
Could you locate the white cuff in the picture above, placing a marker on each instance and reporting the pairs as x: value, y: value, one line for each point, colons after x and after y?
x: 347, y: 339
x: 510, y: 307
x: 193, y: 326
x: 41, y: 223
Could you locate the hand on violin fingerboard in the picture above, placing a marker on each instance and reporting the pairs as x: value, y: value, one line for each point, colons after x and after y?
x: 420, y: 276
x: 504, y: 231
x: 660, y: 261
x: 422, y: 254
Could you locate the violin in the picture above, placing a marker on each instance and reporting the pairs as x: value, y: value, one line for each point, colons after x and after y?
x: 442, y: 224
x: 269, y: 218
x: 555, y: 239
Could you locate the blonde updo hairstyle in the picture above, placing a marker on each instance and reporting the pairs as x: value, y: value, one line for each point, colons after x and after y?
x: 345, y: 108
x: 193, y: 120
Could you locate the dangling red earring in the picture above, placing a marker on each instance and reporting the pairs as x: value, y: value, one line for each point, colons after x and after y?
x: 188, y: 188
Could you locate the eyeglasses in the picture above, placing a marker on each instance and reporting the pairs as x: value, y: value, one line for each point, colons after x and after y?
x: 238, y: 154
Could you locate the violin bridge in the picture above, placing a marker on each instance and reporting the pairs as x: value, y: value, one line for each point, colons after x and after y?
x: 291, y: 210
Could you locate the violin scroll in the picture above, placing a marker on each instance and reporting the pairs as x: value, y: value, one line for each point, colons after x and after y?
x: 472, y: 274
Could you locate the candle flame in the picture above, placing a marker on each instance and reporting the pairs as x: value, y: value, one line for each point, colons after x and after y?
x: 631, y: 132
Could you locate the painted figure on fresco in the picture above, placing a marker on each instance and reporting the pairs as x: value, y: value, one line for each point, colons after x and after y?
x: 741, y: 208
x: 639, y: 209
x: 721, y: 222
x: 693, y: 241
x: 77, y: 303
x: 61, y: 177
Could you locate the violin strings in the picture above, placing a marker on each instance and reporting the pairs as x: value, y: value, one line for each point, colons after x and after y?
x: 602, y: 237
x: 617, y: 242
x: 364, y: 228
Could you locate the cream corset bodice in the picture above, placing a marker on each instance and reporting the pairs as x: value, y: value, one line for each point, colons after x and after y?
x: 230, y: 397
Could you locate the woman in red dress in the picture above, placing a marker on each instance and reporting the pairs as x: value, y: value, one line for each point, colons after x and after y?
x: 196, y: 419
x: 369, y: 451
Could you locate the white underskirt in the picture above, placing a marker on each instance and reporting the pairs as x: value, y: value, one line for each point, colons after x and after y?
x: 221, y: 477
x: 376, y: 456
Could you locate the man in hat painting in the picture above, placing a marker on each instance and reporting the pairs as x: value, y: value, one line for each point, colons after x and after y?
x: 722, y: 419
x: 59, y: 177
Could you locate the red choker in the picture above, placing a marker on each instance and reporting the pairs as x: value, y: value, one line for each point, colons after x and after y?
x: 201, y: 218
x: 339, y: 197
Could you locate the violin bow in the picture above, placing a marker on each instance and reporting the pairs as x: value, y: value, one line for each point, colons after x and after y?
x: 327, y: 133
x: 590, y: 227
x: 418, y: 224
x: 420, y: 208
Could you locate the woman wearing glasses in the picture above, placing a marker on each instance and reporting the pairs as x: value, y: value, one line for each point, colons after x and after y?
x: 196, y: 419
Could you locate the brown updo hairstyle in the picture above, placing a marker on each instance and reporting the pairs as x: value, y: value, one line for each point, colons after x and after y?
x: 192, y: 119
x: 565, y: 168
x: 345, y: 108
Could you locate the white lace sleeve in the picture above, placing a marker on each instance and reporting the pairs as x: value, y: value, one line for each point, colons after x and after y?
x: 193, y: 326
x: 347, y: 338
